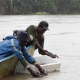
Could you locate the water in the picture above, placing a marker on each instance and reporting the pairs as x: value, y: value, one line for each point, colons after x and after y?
x: 63, y: 39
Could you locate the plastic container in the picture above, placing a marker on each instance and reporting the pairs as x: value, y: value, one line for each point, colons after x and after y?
x: 48, y: 63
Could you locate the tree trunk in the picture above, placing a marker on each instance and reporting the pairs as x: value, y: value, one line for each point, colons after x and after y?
x: 0, y: 7
x: 11, y: 7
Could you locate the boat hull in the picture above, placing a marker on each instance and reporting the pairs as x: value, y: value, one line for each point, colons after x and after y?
x: 7, y: 65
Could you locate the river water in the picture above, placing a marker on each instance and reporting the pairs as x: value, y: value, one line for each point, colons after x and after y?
x: 62, y: 38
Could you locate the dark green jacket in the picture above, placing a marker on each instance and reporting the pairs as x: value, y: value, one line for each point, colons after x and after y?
x: 31, y: 30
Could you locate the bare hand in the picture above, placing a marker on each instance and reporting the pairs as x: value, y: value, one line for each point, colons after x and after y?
x: 36, y: 74
x: 52, y: 55
x: 33, y: 73
x: 42, y: 71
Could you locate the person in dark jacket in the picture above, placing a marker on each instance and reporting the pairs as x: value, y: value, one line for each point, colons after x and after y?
x: 12, y: 45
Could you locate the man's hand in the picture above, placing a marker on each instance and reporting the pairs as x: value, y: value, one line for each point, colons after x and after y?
x: 33, y: 73
x: 45, y: 52
x: 42, y: 71
x: 52, y: 55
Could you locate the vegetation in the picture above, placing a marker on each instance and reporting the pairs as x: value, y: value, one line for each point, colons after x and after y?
x: 40, y: 7
x: 41, y: 13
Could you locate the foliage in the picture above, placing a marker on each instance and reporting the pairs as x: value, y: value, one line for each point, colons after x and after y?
x: 41, y: 13
x: 40, y: 7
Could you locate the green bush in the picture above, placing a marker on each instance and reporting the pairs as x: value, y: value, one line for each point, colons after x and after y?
x: 16, y: 11
x: 41, y: 13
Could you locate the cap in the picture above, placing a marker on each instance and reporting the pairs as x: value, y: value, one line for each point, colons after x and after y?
x: 44, y: 24
x: 23, y: 36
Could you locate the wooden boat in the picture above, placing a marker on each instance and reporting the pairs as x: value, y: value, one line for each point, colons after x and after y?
x: 8, y: 64
x: 11, y: 64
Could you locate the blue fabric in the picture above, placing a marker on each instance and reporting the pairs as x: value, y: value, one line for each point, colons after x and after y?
x: 7, y: 48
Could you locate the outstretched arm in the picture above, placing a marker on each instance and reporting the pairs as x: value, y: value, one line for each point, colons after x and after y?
x: 42, y: 51
x: 45, y: 52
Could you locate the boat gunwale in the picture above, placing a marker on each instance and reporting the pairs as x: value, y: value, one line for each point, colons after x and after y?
x: 6, y: 58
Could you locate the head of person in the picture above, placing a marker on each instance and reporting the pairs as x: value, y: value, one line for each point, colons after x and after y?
x: 23, y: 38
x: 42, y: 27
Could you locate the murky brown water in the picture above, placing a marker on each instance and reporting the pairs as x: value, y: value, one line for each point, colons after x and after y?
x: 62, y: 39
x: 29, y: 77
